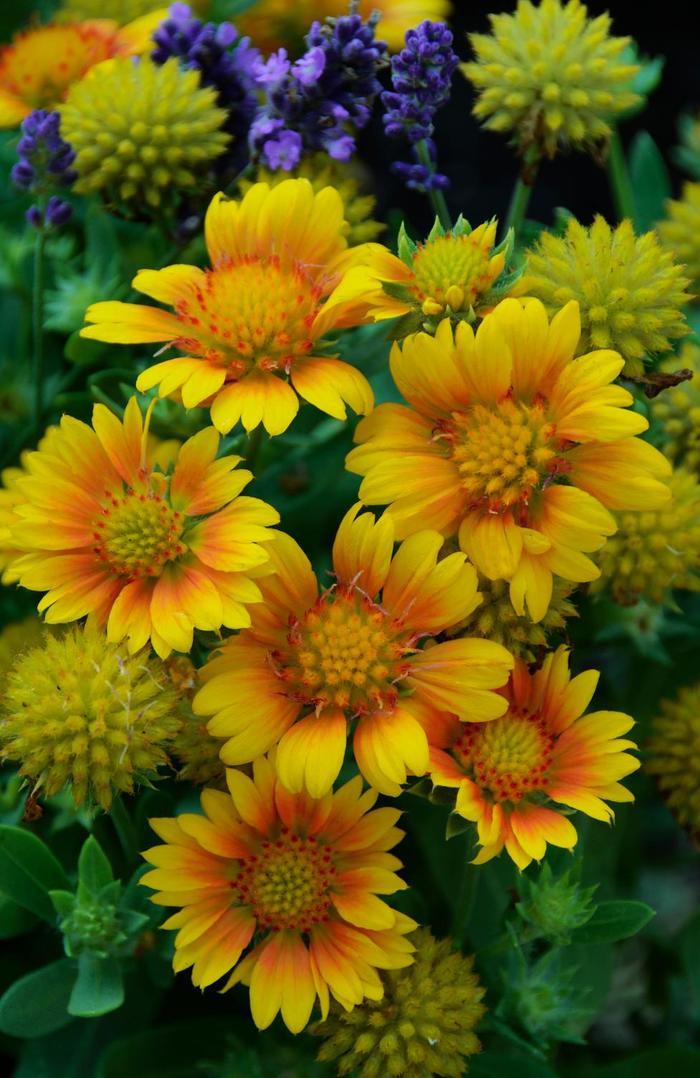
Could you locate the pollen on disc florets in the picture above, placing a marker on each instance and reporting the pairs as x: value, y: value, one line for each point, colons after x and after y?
x: 677, y: 411
x: 630, y: 291
x: 654, y: 552
x: 138, y: 533
x: 287, y: 882
x: 680, y: 232
x: 81, y: 712
x: 142, y: 132
x: 503, y: 453
x: 252, y: 312
x: 422, y: 1026
x: 344, y: 652
x: 508, y: 758
x: 673, y: 755
x: 551, y: 75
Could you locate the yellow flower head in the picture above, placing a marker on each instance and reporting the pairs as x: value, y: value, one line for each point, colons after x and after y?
x: 512, y: 444
x: 255, y: 321
x: 630, y: 291
x: 654, y: 552
x: 495, y: 618
x: 513, y: 775
x: 458, y: 274
x: 677, y: 411
x: 122, y: 11
x: 80, y: 711
x: 551, y: 75
x: 142, y: 132
x: 673, y: 755
x: 272, y: 23
x: 680, y: 232
x: 280, y: 891
x: 153, y: 553
x: 311, y: 664
x: 422, y: 1026
x: 322, y: 171
x: 41, y: 64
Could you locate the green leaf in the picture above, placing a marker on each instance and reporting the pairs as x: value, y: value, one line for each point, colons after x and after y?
x: 650, y: 181
x: 672, y: 1059
x: 82, y: 351
x: 14, y: 919
x: 38, y: 1003
x: 28, y: 871
x: 690, y: 955
x: 613, y: 921
x: 63, y: 901
x: 505, y: 1065
x: 98, y: 989
x: 94, y: 869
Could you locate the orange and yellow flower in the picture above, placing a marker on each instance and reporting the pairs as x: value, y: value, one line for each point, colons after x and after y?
x: 39, y: 66
x: 272, y: 23
x: 513, y: 445
x: 312, y: 663
x: 543, y: 750
x: 152, y: 553
x: 254, y: 322
x: 296, y: 877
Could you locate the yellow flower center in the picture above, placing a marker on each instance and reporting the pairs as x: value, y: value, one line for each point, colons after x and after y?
x: 138, y: 533
x: 287, y: 883
x: 345, y: 652
x: 450, y: 271
x: 252, y: 313
x: 508, y: 757
x: 503, y: 454
x: 40, y: 66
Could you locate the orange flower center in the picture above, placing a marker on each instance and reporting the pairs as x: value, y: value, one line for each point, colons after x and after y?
x: 450, y: 271
x: 39, y: 67
x: 287, y: 883
x: 503, y: 454
x: 251, y: 313
x: 507, y: 757
x: 138, y: 533
x: 345, y: 652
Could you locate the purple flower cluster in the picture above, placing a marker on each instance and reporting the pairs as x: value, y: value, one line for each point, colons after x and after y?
x: 421, y: 76
x: 320, y: 100
x: 209, y: 48
x: 44, y: 164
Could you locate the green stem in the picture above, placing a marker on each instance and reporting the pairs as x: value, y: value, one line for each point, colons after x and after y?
x: 620, y: 182
x: 253, y: 447
x: 38, y: 328
x: 126, y: 832
x: 522, y: 192
x: 437, y: 198
x: 465, y: 903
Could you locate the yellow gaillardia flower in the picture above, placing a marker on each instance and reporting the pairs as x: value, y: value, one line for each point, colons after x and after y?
x: 255, y: 321
x: 511, y: 444
x: 630, y: 291
x: 153, y: 554
x: 673, y: 755
x: 680, y: 231
x: 422, y: 1026
x: 322, y: 171
x: 80, y: 711
x: 40, y: 65
x: 295, y: 876
x: 142, y: 132
x: 459, y: 273
x: 512, y: 774
x: 551, y: 75
x: 311, y: 664
x: 653, y: 552
x: 272, y: 23
x: 677, y: 410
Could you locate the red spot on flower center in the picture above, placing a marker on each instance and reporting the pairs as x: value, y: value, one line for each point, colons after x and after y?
x: 254, y: 312
x: 138, y: 533
x: 288, y: 882
x: 507, y: 757
x: 345, y: 652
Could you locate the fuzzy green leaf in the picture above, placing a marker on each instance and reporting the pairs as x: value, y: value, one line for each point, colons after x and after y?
x: 99, y: 988
x: 38, y: 1003
x: 613, y: 921
x: 28, y: 871
x: 94, y: 869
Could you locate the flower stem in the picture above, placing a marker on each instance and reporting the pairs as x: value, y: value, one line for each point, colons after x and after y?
x: 252, y: 449
x: 437, y: 198
x: 38, y: 328
x: 620, y: 183
x: 520, y: 199
x: 465, y: 903
x: 126, y: 832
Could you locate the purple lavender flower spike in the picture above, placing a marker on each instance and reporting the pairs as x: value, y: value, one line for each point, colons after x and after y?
x: 44, y: 165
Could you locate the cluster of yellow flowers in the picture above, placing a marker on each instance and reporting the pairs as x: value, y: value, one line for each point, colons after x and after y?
x: 513, y: 472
